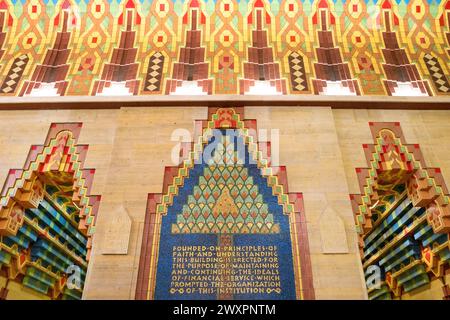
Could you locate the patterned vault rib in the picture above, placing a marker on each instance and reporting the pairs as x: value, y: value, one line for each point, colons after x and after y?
x: 49, y: 78
x: 154, y: 75
x: 261, y: 73
x: 403, y: 78
x: 190, y: 73
x: 432, y: 61
x: 299, y: 82
x: 119, y: 75
x: 333, y: 74
x: 437, y: 73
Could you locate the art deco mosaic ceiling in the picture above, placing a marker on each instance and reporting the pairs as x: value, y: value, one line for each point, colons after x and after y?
x: 325, y: 47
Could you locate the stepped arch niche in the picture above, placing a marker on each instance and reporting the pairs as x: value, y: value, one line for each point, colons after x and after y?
x: 47, y: 219
x: 225, y: 226
x: 403, y: 219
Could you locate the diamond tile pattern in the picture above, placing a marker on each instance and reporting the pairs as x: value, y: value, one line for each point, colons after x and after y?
x: 297, y: 71
x: 15, y: 73
x: 154, y: 73
x: 437, y: 75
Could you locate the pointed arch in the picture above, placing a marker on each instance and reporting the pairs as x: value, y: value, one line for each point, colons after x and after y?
x: 47, y: 216
x: 159, y: 206
x: 402, y: 215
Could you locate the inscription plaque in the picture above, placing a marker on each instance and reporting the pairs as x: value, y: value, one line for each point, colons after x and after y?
x: 225, y: 270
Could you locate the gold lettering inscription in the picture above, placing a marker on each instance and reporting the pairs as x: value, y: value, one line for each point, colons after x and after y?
x: 225, y: 270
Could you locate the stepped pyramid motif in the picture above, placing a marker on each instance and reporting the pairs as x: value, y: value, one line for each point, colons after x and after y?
x: 190, y: 73
x: 49, y: 77
x: 333, y: 75
x: 119, y: 75
x: 226, y: 200
x: 261, y: 73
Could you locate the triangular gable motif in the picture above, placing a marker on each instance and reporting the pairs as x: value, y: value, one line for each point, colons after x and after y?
x: 225, y: 193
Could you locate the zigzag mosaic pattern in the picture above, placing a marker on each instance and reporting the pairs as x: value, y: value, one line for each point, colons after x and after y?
x: 100, y: 47
x: 155, y: 72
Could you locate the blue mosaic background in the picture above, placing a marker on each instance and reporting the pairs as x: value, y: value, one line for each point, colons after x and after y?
x: 282, y: 240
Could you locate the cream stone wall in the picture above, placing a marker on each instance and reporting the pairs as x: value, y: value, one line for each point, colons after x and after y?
x: 310, y: 151
x: 142, y: 148
x: 129, y: 148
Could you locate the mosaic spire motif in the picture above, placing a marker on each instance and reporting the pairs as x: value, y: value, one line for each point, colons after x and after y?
x: 403, y: 77
x: 49, y: 78
x: 190, y: 73
x: 333, y: 76
x: 119, y: 75
x: 261, y: 73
